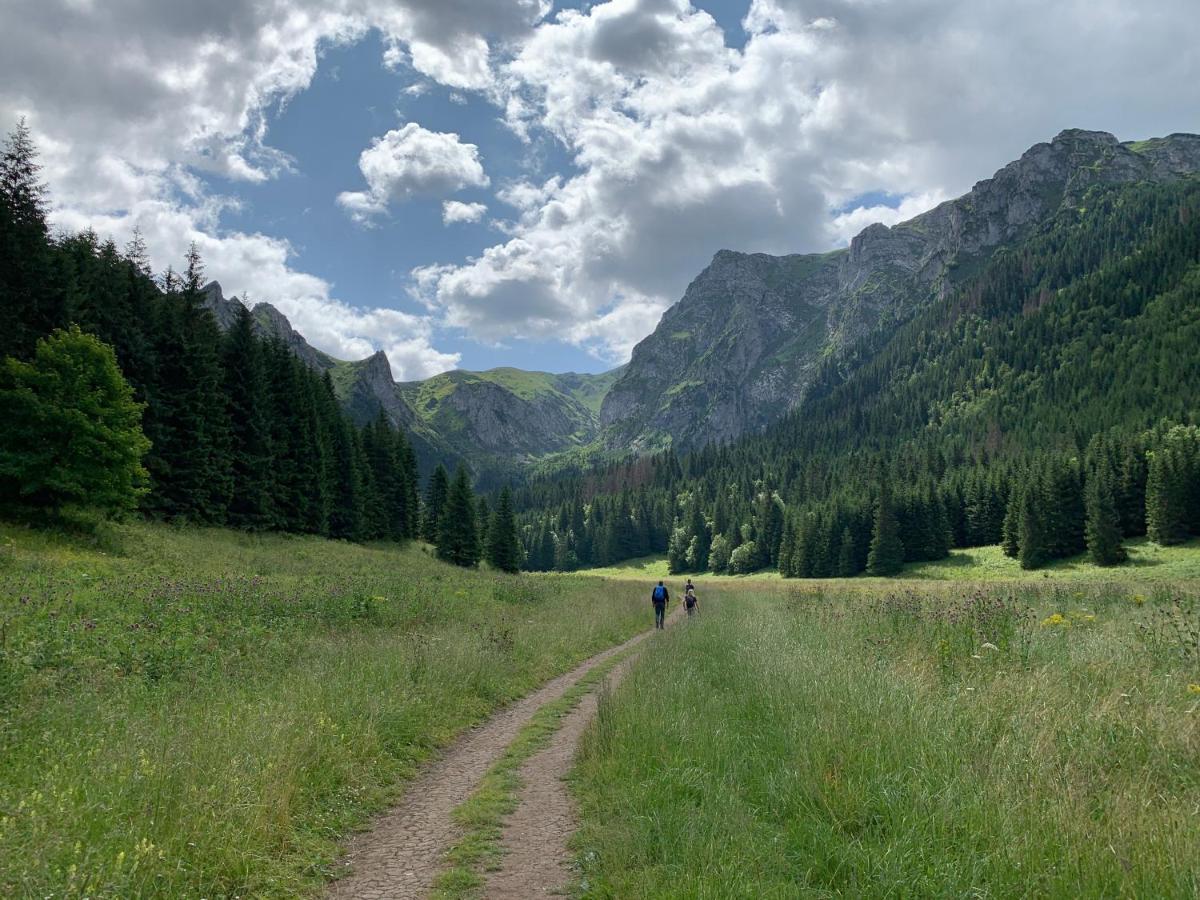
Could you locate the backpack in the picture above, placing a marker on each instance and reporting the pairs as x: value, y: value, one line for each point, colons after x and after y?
x: 660, y: 594
x: 690, y: 600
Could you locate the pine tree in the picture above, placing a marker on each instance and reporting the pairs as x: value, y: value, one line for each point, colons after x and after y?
x: 847, y: 559
x: 1031, y: 529
x: 32, y: 304
x: 458, y: 534
x: 887, y: 547
x: 1011, y: 531
x: 245, y: 389
x: 504, y: 546
x: 435, y: 502
x: 1103, y: 522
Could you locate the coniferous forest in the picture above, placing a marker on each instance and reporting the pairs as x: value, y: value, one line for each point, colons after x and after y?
x: 191, y: 424
x: 1047, y: 402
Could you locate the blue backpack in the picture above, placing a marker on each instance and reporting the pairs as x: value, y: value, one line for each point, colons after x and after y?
x: 660, y: 594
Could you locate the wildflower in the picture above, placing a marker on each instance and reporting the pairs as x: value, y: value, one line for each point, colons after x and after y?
x: 988, y: 645
x: 1055, y: 620
x: 1194, y: 688
x: 1139, y: 599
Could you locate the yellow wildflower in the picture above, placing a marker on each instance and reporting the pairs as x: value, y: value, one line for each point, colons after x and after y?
x: 1139, y: 599
x: 1054, y: 620
x: 1194, y: 688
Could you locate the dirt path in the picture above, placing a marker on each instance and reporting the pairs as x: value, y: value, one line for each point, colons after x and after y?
x: 402, y: 853
x: 537, y: 862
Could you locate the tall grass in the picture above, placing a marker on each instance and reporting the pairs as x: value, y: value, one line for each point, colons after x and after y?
x: 202, y: 713
x: 971, y: 742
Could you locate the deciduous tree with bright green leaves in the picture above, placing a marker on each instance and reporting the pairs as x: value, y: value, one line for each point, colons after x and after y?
x: 73, y: 431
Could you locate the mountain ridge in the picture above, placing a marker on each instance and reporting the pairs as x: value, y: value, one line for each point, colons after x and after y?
x: 740, y: 348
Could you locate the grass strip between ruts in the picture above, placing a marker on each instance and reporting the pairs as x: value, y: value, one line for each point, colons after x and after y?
x: 482, y: 814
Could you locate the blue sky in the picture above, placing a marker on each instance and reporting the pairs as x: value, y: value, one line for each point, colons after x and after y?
x: 307, y: 147
x: 353, y: 98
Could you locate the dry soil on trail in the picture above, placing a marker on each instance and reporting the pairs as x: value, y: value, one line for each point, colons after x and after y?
x: 401, y: 854
x: 537, y: 860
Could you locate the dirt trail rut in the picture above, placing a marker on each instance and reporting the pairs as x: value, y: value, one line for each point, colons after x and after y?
x: 537, y: 862
x: 402, y: 853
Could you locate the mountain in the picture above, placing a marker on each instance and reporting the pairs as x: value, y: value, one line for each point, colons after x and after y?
x: 743, y: 345
x: 496, y: 421
x: 1051, y: 394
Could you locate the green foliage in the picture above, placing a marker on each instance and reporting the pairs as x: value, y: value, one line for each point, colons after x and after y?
x: 73, y: 431
x: 1103, y: 522
x: 458, y: 533
x: 887, y: 546
x: 503, y: 544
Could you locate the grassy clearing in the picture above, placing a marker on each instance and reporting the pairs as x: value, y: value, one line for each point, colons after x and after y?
x: 1148, y: 562
x: 206, y: 713
x: 482, y: 815
x: 986, y: 742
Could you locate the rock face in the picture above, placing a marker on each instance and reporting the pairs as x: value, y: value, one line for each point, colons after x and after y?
x: 740, y: 348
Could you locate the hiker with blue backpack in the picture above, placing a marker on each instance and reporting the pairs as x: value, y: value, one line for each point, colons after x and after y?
x: 659, y: 597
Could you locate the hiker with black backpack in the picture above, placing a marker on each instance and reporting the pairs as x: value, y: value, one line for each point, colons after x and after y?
x: 690, y: 601
x: 659, y: 597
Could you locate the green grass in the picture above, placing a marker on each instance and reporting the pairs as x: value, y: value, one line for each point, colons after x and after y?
x: 804, y: 743
x: 203, y: 713
x: 1148, y: 563
x: 482, y: 814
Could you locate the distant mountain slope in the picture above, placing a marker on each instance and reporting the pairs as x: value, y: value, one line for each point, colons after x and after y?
x: 495, y: 421
x: 743, y: 345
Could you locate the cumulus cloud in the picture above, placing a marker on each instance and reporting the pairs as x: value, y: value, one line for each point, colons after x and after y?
x: 456, y: 211
x: 679, y: 143
x: 259, y: 267
x: 128, y: 100
x: 409, y: 161
x: 684, y: 145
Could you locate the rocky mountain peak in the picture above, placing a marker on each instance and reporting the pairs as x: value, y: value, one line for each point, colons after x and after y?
x: 741, y: 346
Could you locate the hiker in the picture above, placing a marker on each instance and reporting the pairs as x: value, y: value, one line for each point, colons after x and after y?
x: 690, y: 601
x: 689, y: 587
x: 659, y: 597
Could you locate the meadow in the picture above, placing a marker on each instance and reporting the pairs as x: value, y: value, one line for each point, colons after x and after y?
x: 191, y: 712
x: 924, y: 739
x: 1148, y: 562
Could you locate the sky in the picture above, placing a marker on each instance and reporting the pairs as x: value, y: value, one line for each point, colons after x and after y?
x: 476, y: 183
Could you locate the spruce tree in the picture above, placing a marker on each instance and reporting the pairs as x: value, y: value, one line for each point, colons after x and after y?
x: 504, y: 546
x: 1011, y: 529
x: 458, y: 534
x: 32, y: 300
x: 435, y: 502
x: 887, y: 546
x: 1031, y: 529
x: 1103, y: 521
x: 847, y: 559
x: 245, y: 389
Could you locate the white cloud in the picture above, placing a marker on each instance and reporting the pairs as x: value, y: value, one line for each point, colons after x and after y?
x: 257, y: 268
x: 456, y: 211
x: 680, y: 145
x: 408, y: 161
x: 684, y: 145
x: 128, y: 99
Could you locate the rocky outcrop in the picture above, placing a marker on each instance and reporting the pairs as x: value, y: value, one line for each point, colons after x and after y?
x: 740, y: 348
